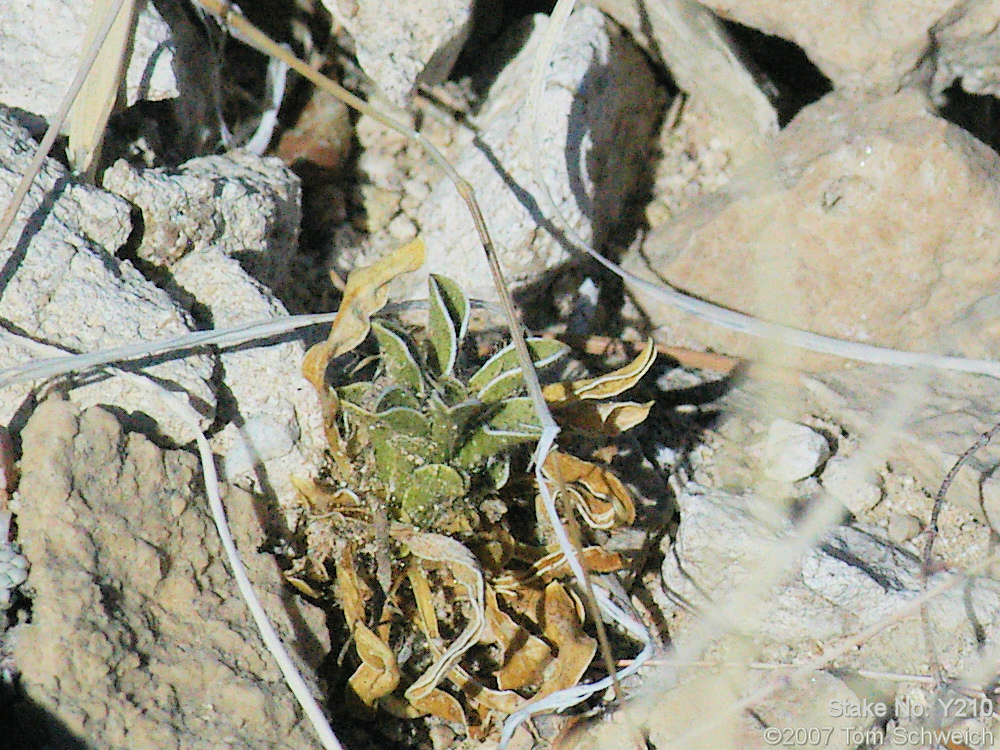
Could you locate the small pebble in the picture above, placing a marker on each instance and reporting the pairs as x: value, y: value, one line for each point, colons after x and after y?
x: 854, y: 490
x: 792, y: 451
x: 903, y: 527
x: 402, y: 228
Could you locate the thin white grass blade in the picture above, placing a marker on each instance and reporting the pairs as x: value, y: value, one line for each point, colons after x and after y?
x: 104, y: 84
x: 277, y: 77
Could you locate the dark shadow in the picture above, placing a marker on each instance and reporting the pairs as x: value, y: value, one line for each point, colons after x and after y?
x: 32, y: 226
x: 496, y: 36
x: 978, y: 114
x: 24, y: 725
x: 782, y: 69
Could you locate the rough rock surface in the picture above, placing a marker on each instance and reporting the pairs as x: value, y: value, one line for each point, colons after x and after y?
x: 138, y: 637
x: 42, y: 39
x: 598, y: 113
x: 272, y: 412
x: 400, y: 44
x: 61, y: 283
x: 968, y: 47
x: 690, y: 42
x: 865, y: 46
x: 851, y: 580
x: 792, y: 451
x: 245, y: 205
x: 861, y: 199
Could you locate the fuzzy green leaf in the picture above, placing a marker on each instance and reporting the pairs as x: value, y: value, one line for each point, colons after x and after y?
x: 398, y: 357
x: 446, y: 324
x: 512, y: 424
x: 405, y: 421
x: 432, y: 488
x: 501, y: 375
x: 355, y: 393
x: 396, y: 397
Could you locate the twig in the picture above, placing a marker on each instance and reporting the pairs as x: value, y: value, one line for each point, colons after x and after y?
x: 55, y: 126
x: 932, y: 532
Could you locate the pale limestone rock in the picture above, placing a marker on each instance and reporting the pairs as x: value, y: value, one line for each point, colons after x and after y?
x: 847, y: 481
x: 792, y: 451
x: 272, y: 415
x: 63, y: 285
x: 903, y: 527
x: 43, y: 39
x: 867, y: 46
x: 598, y: 114
x: 244, y: 205
x: 402, y: 43
x: 851, y: 579
x: 877, y: 223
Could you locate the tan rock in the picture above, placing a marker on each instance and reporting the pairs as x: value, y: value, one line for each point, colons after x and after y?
x: 871, y: 222
x: 138, y: 637
x: 871, y: 46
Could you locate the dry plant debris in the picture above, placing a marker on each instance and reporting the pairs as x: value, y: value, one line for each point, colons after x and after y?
x: 425, y: 526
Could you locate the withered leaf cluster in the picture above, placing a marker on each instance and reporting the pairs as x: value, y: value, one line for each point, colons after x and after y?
x: 426, y: 529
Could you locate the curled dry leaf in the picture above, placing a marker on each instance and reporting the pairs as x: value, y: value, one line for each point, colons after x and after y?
x: 378, y: 674
x: 366, y: 293
x: 564, y: 627
x: 464, y: 567
x: 523, y: 655
x: 606, y: 386
x: 600, y: 497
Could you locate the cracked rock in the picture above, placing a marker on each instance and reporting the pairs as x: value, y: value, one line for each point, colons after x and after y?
x: 242, y: 204
x: 852, y: 579
x: 62, y: 284
x: 271, y: 411
x: 138, y: 637
x: 408, y: 43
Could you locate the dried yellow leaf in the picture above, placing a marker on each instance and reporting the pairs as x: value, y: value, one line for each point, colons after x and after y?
x: 441, y: 704
x: 564, y: 629
x: 378, y: 674
x: 522, y: 654
x: 366, y: 293
x: 461, y: 563
x: 349, y: 588
x: 105, y: 84
x: 600, y: 497
x: 606, y: 419
x: 605, y: 386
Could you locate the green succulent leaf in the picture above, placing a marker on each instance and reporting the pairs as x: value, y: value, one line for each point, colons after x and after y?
x: 401, y: 363
x: 447, y: 323
x: 513, y: 423
x: 432, y: 488
x: 356, y: 394
x: 394, y: 397
x: 448, y: 424
x: 500, y: 376
x: 405, y: 421
x: 515, y: 417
